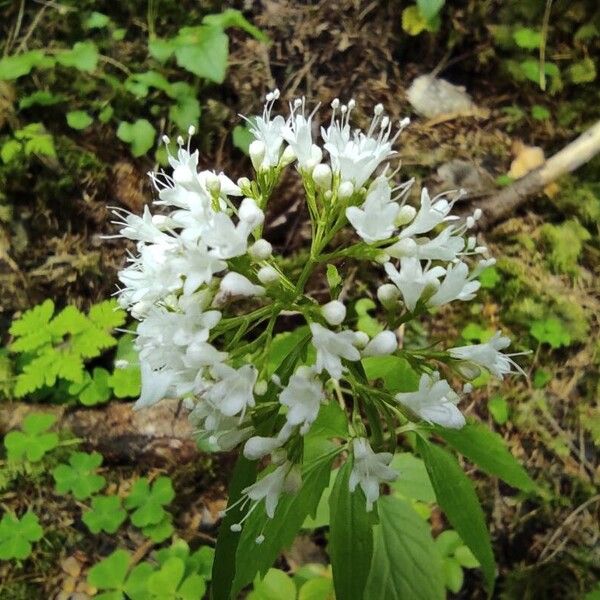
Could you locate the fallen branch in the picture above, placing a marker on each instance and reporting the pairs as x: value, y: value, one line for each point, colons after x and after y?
x: 160, y: 434
x: 504, y: 203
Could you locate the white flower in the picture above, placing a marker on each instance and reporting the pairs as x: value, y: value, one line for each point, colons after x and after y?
x: 456, y: 285
x: 432, y: 213
x: 383, y: 343
x: 233, y: 392
x: 369, y: 470
x: 268, y: 132
x: 155, y: 385
x: 334, y: 312
x: 234, y: 284
x: 375, y: 219
x: 226, y: 239
x: 303, y: 396
x: 139, y: 229
x: 258, y: 447
x: 488, y: 355
x: 197, y: 266
x: 284, y: 478
x: 435, y: 402
x: 355, y: 156
x: 412, y: 281
x: 331, y: 347
x: 298, y: 134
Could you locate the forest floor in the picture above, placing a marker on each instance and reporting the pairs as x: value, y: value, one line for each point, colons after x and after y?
x: 544, y: 289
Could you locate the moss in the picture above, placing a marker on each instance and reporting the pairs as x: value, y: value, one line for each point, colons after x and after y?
x: 564, y: 244
x: 580, y: 199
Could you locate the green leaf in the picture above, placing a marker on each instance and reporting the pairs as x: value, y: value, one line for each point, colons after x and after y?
x: 105, y: 115
x: 97, y: 20
x: 396, y: 373
x: 10, y: 150
x: 148, y: 501
x: 13, y: 67
x: 447, y: 542
x: 489, y: 277
x: 365, y: 321
x: 78, y: 476
x: 203, y: 51
x: 540, y: 113
x: 242, y: 138
x: 280, y: 531
x: 164, y: 582
x: 275, y: 585
x: 79, y: 119
x: 16, y: 535
x: 498, y: 407
x: 161, y: 49
x: 453, y: 574
x: 136, y: 586
x: 457, y: 498
x: 139, y: 135
x: 159, y: 532
x: 583, y: 71
x: 430, y: 8
x: 465, y: 558
x: 83, y: 57
x: 34, y: 441
x: 109, y: 574
x: 106, y: 514
x: 489, y: 452
x: 40, y: 98
x: 405, y: 562
x: 224, y: 565
x: 413, y: 21
x: 319, y: 588
x: 550, y: 331
x: 527, y: 38
x: 413, y: 481
x: 234, y: 18
x: 541, y: 378
x: 350, y: 537
x: 126, y: 383
x: 32, y: 328
x: 185, y: 112
x: 334, y: 280
x: 93, y: 390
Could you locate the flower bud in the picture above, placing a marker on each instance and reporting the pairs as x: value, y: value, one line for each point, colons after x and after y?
x: 234, y: 284
x: 388, y: 294
x: 405, y: 215
x: 257, y: 152
x: 250, y: 213
x: 288, y: 157
x: 382, y: 344
x: 361, y: 339
x: 260, y: 387
x: 405, y: 247
x: 322, y: 176
x: 244, y: 184
x: 345, y: 190
x: 334, y: 312
x: 257, y: 447
x: 469, y: 370
x: 267, y: 275
x: 260, y: 250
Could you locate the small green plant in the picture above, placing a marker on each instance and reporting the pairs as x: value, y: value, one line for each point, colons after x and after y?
x: 550, y: 331
x: 106, y: 514
x: 79, y: 476
x: 456, y: 557
x: 31, y: 139
x: 34, y: 441
x: 148, y: 502
x: 53, y: 349
x: 16, y: 535
x: 422, y: 16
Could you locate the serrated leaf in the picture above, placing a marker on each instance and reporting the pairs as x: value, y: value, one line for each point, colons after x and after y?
x: 350, y: 537
x: 83, y: 57
x: 550, y: 331
x: 106, y: 514
x: 32, y: 327
x: 405, y: 563
x: 457, y: 498
x: 70, y: 320
x: 140, y: 135
x: 203, y: 51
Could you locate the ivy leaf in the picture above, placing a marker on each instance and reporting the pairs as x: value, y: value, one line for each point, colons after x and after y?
x: 79, y: 119
x: 16, y: 535
x: 458, y: 500
x: 405, y: 562
x: 148, y: 501
x: 83, y: 57
x: 139, y: 135
x: 32, y: 328
x: 110, y: 573
x: 78, y: 476
x: 350, y: 537
x: 203, y: 51
x: 106, y: 514
x: 34, y: 441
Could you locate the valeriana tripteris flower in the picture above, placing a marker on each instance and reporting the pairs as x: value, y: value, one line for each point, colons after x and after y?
x: 435, y: 401
x: 303, y: 396
x: 370, y: 470
x: 489, y: 356
x: 331, y: 347
x: 298, y: 134
x: 412, y: 281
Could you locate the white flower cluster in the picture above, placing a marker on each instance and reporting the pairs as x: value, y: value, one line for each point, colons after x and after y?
x: 203, y: 277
